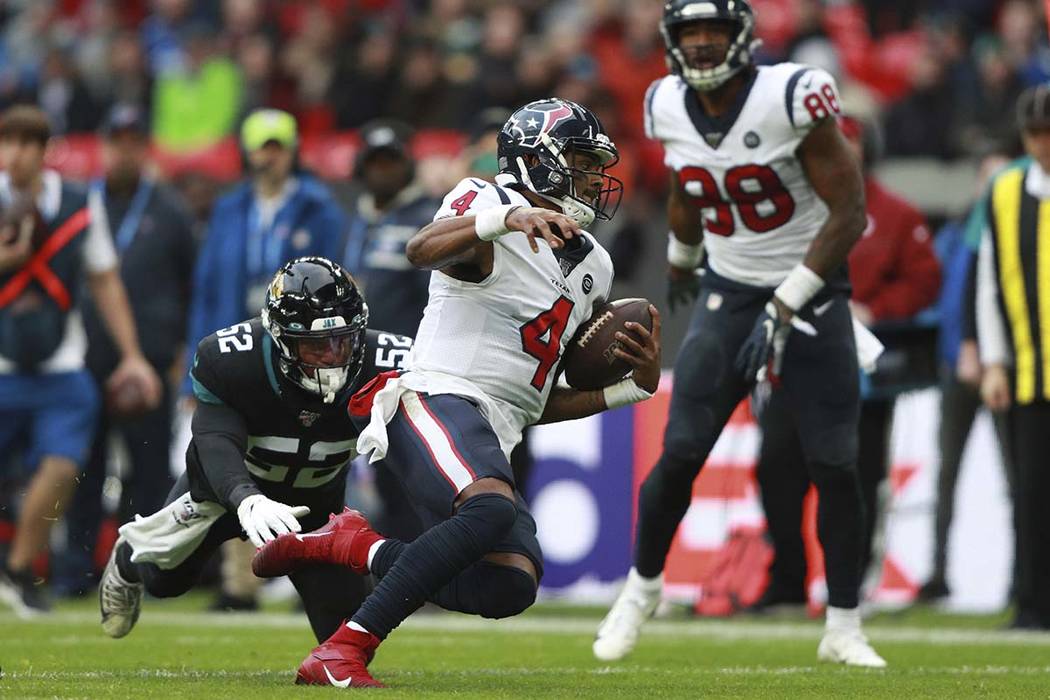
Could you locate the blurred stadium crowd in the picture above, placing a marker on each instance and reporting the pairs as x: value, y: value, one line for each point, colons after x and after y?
x: 933, y: 78
x: 948, y: 71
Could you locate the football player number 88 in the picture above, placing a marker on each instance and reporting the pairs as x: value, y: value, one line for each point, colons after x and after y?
x: 756, y: 191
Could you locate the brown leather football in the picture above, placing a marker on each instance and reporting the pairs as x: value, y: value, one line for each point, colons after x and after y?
x: 125, y: 399
x: 589, y: 361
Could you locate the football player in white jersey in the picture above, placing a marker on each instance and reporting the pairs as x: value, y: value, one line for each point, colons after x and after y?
x: 514, y: 275
x: 762, y: 178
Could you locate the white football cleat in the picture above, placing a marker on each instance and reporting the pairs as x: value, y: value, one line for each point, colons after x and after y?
x: 848, y: 647
x: 118, y: 600
x: 618, y: 632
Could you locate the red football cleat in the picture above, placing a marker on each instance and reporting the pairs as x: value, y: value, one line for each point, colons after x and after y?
x: 342, y: 661
x: 345, y: 540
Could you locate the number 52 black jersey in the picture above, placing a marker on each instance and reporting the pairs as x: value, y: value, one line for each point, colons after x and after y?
x: 293, y: 448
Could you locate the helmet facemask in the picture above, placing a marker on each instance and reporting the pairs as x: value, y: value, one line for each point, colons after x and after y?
x: 554, y: 175
x: 317, y: 319
x: 737, y: 56
x: 323, y: 359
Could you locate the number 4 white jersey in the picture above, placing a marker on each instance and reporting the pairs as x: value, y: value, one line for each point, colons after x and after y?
x: 504, y: 336
x: 760, y: 212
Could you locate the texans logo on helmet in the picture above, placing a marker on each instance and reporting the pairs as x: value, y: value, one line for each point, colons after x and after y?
x: 554, y: 116
x: 550, y: 118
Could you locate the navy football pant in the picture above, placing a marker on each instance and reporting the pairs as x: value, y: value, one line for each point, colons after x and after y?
x: 820, y: 384
x: 439, y: 446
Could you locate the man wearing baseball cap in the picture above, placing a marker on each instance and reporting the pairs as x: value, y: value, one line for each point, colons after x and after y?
x: 391, y: 207
x: 151, y: 232
x: 389, y: 210
x: 278, y: 212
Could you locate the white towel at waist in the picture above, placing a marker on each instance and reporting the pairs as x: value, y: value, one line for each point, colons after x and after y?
x: 170, y: 535
x: 869, y: 348
x: 373, y: 440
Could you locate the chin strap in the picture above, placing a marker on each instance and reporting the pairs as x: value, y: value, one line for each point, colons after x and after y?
x: 579, y: 212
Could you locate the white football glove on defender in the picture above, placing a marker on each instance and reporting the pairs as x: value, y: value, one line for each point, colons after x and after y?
x: 263, y: 519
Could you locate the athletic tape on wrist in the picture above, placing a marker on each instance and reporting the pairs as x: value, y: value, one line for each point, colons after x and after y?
x: 801, y: 285
x: 624, y: 393
x: 683, y: 255
x: 490, y: 224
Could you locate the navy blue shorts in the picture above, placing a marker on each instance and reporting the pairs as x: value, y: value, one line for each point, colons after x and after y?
x: 440, y: 445
x: 48, y: 415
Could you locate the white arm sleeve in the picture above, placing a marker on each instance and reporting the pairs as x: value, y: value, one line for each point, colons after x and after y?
x: 991, y: 326
x: 99, y: 253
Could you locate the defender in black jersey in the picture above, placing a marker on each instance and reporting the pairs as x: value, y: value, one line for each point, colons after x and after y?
x: 271, y: 445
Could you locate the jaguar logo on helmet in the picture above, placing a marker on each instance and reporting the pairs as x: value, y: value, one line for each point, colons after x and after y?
x: 538, y: 146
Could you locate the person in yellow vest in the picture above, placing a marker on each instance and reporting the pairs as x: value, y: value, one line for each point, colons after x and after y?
x: 1013, y: 334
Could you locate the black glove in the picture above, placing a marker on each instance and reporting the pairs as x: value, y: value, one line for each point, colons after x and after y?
x: 682, y: 291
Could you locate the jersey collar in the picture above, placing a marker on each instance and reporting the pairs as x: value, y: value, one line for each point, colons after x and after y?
x: 714, y: 129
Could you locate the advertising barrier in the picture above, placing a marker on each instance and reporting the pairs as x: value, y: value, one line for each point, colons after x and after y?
x: 587, y: 473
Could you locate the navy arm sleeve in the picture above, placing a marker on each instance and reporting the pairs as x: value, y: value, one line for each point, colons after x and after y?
x: 220, y: 438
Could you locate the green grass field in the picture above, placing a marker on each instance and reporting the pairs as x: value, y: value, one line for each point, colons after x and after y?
x: 180, y: 651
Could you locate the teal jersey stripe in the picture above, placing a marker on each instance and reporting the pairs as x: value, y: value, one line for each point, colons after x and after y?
x: 267, y: 351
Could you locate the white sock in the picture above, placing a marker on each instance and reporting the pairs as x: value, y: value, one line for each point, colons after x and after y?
x: 843, y: 619
x: 372, y: 551
x: 647, y: 585
x: 356, y: 627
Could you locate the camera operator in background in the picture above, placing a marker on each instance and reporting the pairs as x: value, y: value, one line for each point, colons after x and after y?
x: 47, y: 399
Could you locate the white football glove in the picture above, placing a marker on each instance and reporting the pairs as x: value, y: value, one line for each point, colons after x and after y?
x: 263, y: 519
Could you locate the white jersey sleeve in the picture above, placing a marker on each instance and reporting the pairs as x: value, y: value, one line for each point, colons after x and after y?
x: 469, y: 197
x: 650, y: 96
x: 813, y: 97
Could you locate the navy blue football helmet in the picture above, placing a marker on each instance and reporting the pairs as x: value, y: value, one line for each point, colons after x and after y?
x: 678, y: 13
x: 549, y: 131
x: 317, y: 318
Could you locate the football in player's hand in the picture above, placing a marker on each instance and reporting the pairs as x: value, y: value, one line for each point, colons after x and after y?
x: 125, y: 399
x: 589, y: 359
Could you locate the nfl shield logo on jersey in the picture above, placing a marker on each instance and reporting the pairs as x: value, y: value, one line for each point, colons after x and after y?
x: 307, y: 418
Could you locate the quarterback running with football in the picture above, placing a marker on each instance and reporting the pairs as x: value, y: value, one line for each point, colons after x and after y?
x: 270, y: 448
x: 762, y: 178
x: 514, y: 275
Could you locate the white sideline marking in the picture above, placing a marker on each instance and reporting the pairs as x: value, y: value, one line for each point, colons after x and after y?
x: 712, y: 629
x: 563, y: 670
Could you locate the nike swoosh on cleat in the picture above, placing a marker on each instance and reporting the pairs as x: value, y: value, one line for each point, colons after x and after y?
x: 333, y: 681
x: 312, y: 534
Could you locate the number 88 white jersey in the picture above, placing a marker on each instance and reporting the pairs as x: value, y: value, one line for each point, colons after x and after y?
x: 760, y: 212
